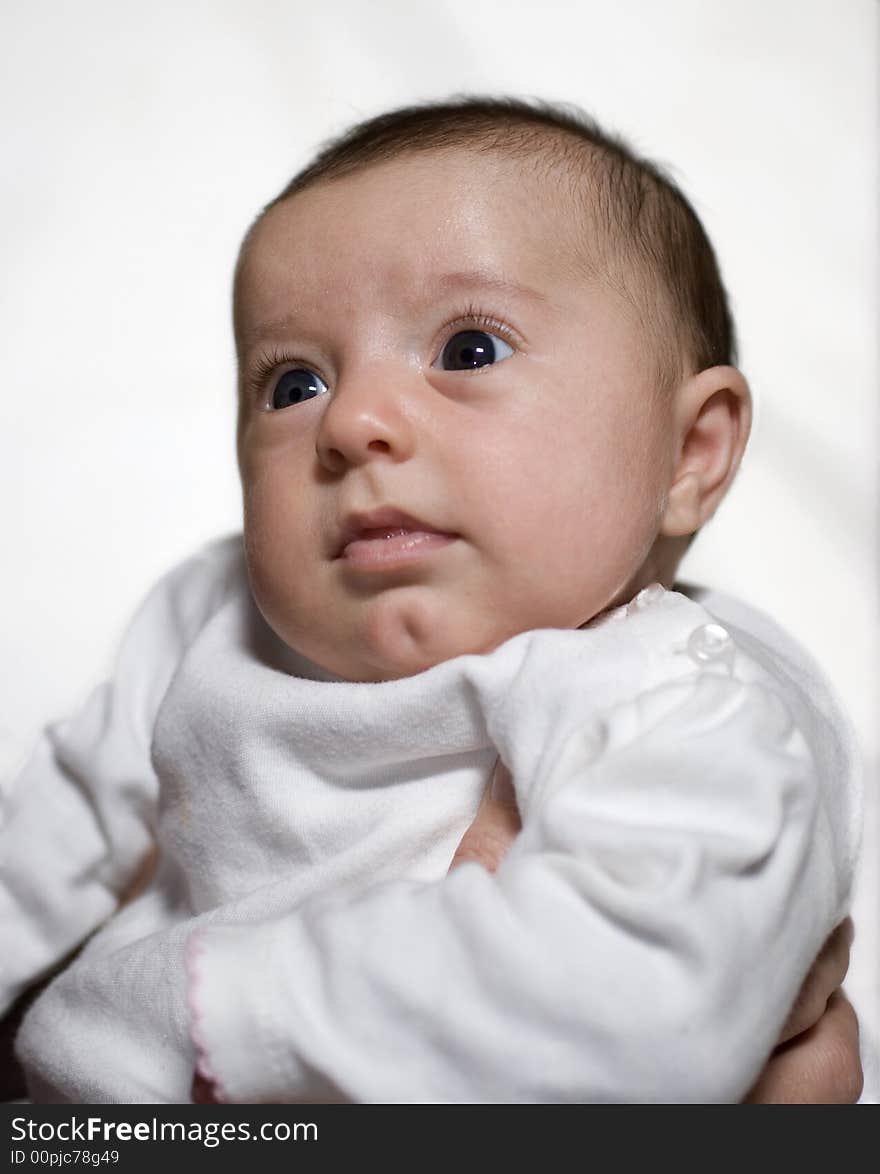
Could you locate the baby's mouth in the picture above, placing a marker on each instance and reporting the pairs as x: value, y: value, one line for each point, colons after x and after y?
x: 387, y: 535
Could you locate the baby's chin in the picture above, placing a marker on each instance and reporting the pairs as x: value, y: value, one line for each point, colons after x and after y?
x: 392, y: 647
x: 394, y: 661
x: 410, y: 628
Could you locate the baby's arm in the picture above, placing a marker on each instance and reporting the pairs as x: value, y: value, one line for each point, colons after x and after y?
x: 77, y: 822
x: 816, y: 1059
x: 643, y: 941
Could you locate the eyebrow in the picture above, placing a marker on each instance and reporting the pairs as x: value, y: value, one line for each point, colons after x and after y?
x: 489, y: 280
x: 464, y: 279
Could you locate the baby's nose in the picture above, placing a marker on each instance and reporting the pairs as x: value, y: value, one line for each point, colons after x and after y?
x: 367, y: 417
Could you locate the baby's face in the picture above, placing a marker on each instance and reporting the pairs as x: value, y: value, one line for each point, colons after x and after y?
x: 415, y: 338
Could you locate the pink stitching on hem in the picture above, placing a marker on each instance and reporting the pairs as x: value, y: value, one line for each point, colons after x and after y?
x: 192, y: 957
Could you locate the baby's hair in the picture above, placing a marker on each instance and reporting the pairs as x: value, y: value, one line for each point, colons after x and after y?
x: 650, y: 246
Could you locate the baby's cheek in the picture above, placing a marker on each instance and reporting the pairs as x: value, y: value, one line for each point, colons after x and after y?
x: 275, y: 501
x: 273, y: 547
x: 279, y: 599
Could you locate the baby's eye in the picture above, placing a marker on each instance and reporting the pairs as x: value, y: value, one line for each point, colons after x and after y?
x: 296, y: 386
x: 473, y: 348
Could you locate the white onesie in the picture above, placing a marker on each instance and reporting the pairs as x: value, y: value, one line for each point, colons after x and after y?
x: 690, y: 826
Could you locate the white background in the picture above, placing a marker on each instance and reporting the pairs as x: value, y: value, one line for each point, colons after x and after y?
x: 139, y: 140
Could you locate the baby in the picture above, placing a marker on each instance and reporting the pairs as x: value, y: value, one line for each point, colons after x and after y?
x: 486, y: 399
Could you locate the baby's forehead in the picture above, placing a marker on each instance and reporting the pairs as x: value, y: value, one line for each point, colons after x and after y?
x: 444, y: 210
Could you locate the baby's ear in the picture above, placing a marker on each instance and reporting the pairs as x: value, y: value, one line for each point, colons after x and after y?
x: 713, y: 417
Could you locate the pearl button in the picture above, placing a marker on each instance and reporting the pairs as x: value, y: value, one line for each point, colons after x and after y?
x: 710, y: 643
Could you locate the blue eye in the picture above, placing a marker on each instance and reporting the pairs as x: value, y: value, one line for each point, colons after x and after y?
x: 473, y: 348
x: 296, y: 386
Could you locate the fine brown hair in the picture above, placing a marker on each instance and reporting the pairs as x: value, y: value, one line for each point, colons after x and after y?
x: 643, y: 236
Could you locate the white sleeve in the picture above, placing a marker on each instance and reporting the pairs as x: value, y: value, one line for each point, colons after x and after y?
x: 78, y: 820
x: 643, y: 941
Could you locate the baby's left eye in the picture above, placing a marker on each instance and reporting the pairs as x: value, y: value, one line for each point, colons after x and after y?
x: 473, y: 348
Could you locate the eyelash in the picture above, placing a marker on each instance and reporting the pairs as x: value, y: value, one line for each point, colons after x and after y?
x: 267, y: 363
x: 474, y: 316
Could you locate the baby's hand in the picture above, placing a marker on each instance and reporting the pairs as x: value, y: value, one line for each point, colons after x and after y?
x: 495, y: 825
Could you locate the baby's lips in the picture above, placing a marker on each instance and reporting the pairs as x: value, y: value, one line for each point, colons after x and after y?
x: 377, y: 524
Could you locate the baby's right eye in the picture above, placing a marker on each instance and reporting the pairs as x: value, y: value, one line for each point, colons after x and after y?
x: 294, y: 387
